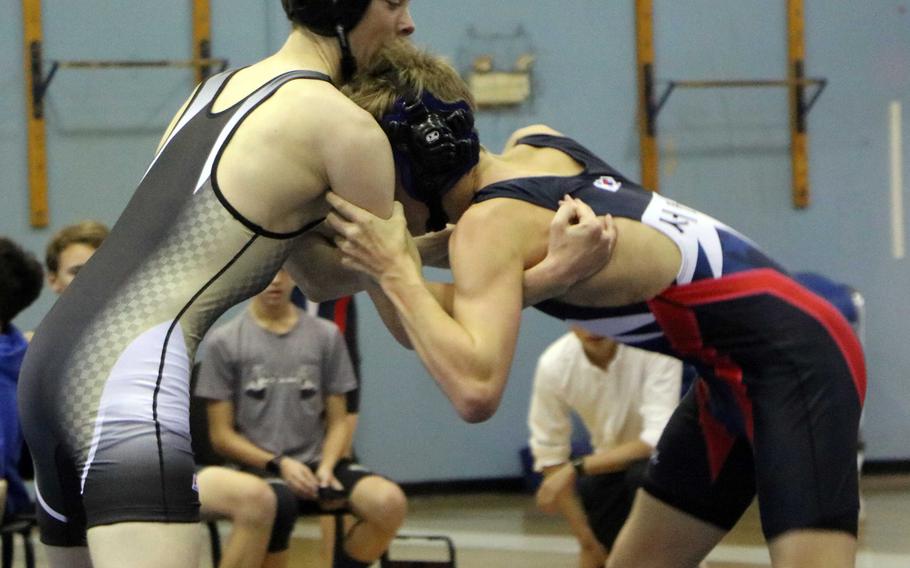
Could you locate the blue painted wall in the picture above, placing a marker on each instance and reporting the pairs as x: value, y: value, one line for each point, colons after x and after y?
x: 725, y: 152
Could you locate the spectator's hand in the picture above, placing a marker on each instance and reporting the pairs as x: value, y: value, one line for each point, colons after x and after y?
x: 593, y: 554
x: 554, y: 487
x: 299, y: 478
x: 370, y: 244
x: 580, y: 243
x: 327, y: 478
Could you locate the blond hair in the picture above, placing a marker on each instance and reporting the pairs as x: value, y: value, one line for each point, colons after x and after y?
x: 402, y: 69
x: 90, y: 233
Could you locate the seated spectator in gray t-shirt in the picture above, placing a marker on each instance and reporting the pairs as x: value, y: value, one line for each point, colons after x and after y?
x: 275, y: 379
x: 278, y: 383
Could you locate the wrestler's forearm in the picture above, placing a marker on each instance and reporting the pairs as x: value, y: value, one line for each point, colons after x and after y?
x: 543, y: 281
x: 452, y: 356
x: 389, y: 314
x: 315, y: 266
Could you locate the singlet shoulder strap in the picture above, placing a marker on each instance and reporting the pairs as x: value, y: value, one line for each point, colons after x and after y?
x: 233, y: 116
x: 209, y: 90
x: 579, y: 153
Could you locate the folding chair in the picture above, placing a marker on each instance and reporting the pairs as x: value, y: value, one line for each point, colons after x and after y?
x: 21, y: 526
x: 448, y: 549
x: 306, y: 510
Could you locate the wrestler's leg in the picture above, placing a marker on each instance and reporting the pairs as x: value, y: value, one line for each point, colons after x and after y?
x: 657, y: 535
x: 67, y: 557
x: 813, y: 548
x: 698, y: 483
x: 145, y: 545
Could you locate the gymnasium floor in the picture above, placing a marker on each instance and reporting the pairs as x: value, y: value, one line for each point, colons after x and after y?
x: 492, y: 531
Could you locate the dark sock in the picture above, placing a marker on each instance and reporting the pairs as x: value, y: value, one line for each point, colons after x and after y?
x: 342, y: 560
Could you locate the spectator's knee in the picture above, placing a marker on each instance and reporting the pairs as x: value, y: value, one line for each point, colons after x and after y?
x: 389, y: 507
x: 257, y: 504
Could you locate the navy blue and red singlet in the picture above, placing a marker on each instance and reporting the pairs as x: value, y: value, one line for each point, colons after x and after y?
x: 782, y: 376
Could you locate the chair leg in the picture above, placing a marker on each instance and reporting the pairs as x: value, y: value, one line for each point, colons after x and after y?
x: 7, y: 550
x: 339, y: 534
x: 215, y: 543
x: 29, y: 549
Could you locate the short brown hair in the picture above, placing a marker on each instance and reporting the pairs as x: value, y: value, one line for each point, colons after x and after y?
x: 402, y: 69
x: 90, y: 233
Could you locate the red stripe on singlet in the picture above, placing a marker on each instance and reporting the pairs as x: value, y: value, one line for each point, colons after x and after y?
x: 768, y: 281
x: 681, y: 329
x: 341, y: 313
x: 718, y: 440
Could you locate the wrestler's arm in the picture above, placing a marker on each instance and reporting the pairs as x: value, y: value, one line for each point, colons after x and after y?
x: 468, y: 352
x: 580, y: 244
x: 315, y: 266
x: 359, y: 167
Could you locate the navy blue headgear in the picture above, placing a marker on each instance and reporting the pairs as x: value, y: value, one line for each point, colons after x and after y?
x: 330, y: 18
x: 434, y: 144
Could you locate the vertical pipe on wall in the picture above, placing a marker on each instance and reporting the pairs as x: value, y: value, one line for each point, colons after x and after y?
x: 897, y: 181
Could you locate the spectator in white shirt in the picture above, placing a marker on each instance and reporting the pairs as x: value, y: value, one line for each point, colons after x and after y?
x: 624, y: 396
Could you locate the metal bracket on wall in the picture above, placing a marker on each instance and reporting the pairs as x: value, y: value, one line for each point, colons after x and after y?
x: 37, y: 85
x: 804, y: 105
x: 41, y: 84
x: 650, y: 105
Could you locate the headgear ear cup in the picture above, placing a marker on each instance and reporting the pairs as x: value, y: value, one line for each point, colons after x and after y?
x: 434, y: 145
x: 330, y: 18
x: 460, y: 122
x: 322, y: 16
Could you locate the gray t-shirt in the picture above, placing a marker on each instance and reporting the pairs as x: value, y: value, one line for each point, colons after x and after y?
x: 277, y: 383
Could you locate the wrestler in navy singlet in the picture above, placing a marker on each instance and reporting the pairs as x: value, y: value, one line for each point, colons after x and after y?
x: 782, y: 374
x: 104, y: 391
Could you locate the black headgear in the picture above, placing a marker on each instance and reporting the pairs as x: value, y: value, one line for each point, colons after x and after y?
x: 434, y: 144
x: 330, y: 18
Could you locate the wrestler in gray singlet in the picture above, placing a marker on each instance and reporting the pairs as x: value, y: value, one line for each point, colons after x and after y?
x: 104, y: 391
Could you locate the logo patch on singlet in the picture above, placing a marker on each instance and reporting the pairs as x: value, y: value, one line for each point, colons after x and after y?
x: 608, y: 183
x: 195, y: 483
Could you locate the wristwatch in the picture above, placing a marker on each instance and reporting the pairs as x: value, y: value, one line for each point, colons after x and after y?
x: 578, y: 464
x: 273, y: 466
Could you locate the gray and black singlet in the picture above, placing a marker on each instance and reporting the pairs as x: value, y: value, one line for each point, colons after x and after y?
x: 104, y: 392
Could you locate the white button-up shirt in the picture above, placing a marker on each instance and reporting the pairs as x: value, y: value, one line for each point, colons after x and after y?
x: 631, y: 400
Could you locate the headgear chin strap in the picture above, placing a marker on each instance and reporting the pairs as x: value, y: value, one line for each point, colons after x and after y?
x: 331, y: 18
x: 434, y: 145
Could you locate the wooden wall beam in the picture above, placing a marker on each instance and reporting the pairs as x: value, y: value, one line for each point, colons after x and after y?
x: 39, y: 213
x: 647, y: 112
